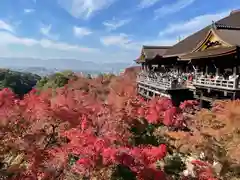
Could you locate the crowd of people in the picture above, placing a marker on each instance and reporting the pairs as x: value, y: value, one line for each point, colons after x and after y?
x: 181, y: 79
x: 224, y: 76
x: 175, y: 77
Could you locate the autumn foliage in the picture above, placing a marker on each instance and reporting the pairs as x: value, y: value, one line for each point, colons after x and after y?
x: 99, y: 129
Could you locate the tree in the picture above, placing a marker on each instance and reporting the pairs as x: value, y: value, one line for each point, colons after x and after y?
x: 20, y: 83
x: 56, y: 80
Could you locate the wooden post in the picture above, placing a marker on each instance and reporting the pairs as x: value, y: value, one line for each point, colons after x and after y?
x: 206, y: 71
x: 196, y: 69
x: 147, y: 93
x: 234, y: 70
x: 234, y: 96
x: 217, y: 71
x: 201, y: 100
x: 187, y: 69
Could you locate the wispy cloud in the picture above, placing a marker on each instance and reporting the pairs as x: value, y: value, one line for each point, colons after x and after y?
x: 84, y: 8
x: 6, y: 27
x: 46, y: 31
x: 121, y: 40
x: 192, y: 25
x: 115, y: 24
x: 28, y: 11
x: 81, y: 31
x: 172, y: 8
x: 147, y: 3
x: 125, y: 41
x: 9, y: 39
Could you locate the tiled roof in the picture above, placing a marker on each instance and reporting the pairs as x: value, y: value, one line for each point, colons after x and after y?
x: 232, y: 37
x: 188, y: 44
x: 150, y: 52
x: 213, y: 52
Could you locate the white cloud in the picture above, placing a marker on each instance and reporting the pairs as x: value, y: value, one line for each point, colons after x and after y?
x: 47, y: 50
x: 84, y: 8
x: 10, y: 39
x: 5, y: 26
x: 81, y: 31
x: 192, y: 25
x: 46, y: 31
x: 172, y: 8
x: 28, y: 11
x: 115, y: 24
x: 147, y: 3
x: 124, y: 41
x: 121, y: 39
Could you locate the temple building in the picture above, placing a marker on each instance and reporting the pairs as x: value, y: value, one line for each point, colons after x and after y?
x: 207, y: 64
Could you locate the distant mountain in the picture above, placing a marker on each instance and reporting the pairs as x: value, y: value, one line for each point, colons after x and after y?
x: 45, y: 67
x: 41, y: 71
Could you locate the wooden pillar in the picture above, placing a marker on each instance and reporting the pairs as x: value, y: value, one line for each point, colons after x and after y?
x: 146, y: 67
x: 234, y: 96
x: 206, y: 70
x: 149, y: 67
x: 196, y: 69
x: 187, y: 69
x: 201, y: 100
x: 147, y: 93
x: 217, y: 71
x: 234, y: 70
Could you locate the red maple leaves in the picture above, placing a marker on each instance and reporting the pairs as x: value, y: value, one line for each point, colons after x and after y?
x: 162, y: 111
x: 52, y: 125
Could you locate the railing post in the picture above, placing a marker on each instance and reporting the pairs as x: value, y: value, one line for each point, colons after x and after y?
x: 235, y: 83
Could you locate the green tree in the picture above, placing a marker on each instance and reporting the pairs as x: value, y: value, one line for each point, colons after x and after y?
x: 21, y: 83
x: 56, y: 80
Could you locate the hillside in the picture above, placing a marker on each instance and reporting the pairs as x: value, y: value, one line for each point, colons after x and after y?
x: 100, y: 129
x: 20, y: 83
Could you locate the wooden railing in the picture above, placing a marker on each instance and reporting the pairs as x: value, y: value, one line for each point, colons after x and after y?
x: 162, y: 83
x: 158, y: 82
x: 216, y: 83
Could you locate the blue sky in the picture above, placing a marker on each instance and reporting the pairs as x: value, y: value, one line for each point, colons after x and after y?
x: 100, y: 30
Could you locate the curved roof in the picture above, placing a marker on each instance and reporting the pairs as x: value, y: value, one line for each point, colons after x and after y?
x: 188, y: 44
x: 150, y: 52
x: 232, y: 37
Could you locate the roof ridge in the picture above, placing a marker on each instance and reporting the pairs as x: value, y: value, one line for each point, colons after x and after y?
x: 224, y: 26
x: 234, y: 11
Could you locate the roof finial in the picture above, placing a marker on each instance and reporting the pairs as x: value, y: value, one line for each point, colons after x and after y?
x: 213, y: 25
x: 179, y: 38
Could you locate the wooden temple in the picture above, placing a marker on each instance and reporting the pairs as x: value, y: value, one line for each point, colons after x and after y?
x: 203, y: 66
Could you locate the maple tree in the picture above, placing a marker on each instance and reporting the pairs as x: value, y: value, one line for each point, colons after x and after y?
x: 99, y: 128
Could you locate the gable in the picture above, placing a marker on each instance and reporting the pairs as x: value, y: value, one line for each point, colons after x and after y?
x: 212, y: 40
x: 142, y: 56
